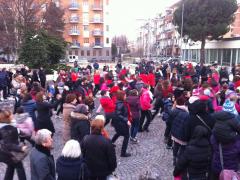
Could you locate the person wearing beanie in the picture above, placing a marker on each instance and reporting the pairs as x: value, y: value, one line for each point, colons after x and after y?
x: 229, y: 106
x: 225, y: 132
x: 177, y: 120
x: 80, y: 124
x: 197, y: 108
x: 208, y: 94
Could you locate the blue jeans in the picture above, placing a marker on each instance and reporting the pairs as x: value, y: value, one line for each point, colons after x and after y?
x: 135, y: 127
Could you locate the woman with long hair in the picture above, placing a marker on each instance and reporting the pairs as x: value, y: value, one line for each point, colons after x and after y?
x: 9, y: 139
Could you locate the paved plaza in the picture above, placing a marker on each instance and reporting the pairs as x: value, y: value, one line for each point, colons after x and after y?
x: 149, y: 155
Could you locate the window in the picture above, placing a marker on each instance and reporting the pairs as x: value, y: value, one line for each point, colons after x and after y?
x: 100, y: 52
x: 85, y: 28
x: 107, y: 40
x: 70, y: 52
x: 94, y: 53
x: 85, y: 17
x: 82, y: 52
x: 86, y: 40
x: 76, y: 52
x: 85, y: 3
x: 88, y: 53
x: 107, y: 53
x: 107, y: 27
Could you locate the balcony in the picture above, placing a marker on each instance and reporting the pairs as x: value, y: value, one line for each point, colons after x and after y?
x: 96, y: 20
x: 75, y: 45
x: 97, y: 45
x: 74, y: 6
x: 74, y: 19
x: 97, y: 32
x: 74, y: 32
x: 97, y: 7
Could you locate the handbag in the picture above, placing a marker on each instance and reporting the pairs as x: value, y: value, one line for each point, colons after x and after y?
x: 225, y: 173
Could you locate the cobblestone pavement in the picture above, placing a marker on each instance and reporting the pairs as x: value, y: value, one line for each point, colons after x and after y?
x: 149, y: 155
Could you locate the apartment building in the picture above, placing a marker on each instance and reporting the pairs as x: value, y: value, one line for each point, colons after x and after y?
x: 169, y: 43
x: 87, y: 29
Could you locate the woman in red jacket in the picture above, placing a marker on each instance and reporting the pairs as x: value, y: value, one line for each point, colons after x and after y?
x: 108, y: 106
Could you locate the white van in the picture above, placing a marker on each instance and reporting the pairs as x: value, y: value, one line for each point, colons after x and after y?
x: 72, y: 58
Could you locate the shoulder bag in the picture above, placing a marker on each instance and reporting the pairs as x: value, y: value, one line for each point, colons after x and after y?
x: 225, y: 173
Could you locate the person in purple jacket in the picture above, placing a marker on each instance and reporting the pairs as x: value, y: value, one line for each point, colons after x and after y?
x: 226, y: 133
x: 134, y: 103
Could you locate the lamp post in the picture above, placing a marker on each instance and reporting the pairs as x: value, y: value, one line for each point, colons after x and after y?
x: 182, y: 30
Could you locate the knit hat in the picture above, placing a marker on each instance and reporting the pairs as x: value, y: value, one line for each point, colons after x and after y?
x: 229, y: 106
x: 81, y: 108
x: 229, y: 93
x: 207, y: 92
x: 192, y: 99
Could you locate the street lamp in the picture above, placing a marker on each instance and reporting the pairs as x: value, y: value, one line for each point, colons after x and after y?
x: 182, y: 30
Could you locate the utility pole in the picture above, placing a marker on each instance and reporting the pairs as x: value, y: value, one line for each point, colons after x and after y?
x: 182, y: 31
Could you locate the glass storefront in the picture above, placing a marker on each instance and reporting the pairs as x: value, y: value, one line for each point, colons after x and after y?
x: 224, y: 57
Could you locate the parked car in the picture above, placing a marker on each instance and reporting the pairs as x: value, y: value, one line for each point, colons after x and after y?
x: 72, y: 58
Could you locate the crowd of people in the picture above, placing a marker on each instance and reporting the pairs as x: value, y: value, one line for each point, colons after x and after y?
x: 199, y: 106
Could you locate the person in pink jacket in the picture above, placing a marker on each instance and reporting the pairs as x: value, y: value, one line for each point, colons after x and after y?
x: 145, y: 103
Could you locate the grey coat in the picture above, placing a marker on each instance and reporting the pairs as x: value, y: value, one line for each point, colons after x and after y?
x: 42, y: 164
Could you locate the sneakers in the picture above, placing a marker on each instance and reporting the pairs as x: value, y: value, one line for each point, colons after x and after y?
x: 126, y: 155
x: 134, y: 140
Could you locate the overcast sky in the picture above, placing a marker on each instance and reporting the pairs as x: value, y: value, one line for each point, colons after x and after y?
x: 124, y: 14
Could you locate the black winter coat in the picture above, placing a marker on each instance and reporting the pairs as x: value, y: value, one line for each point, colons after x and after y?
x: 193, y: 121
x: 196, y: 159
x: 226, y: 128
x: 177, y: 119
x: 68, y: 168
x: 120, y: 123
x: 9, y: 139
x: 80, y: 126
x: 44, y: 113
x: 99, y: 154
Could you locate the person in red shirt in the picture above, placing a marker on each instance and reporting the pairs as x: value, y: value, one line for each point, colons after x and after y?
x: 96, y: 80
x: 166, y: 89
x: 108, y: 106
x: 151, y: 81
x: 74, y: 76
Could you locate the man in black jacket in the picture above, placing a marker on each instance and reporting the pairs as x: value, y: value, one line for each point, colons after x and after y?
x: 3, y: 82
x: 41, y: 161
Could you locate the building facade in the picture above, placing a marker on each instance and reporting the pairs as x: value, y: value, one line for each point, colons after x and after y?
x: 225, y: 51
x: 169, y: 44
x: 87, y: 29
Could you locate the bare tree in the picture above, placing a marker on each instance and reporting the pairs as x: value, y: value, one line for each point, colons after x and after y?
x: 53, y: 20
x: 121, y: 42
x: 18, y: 17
